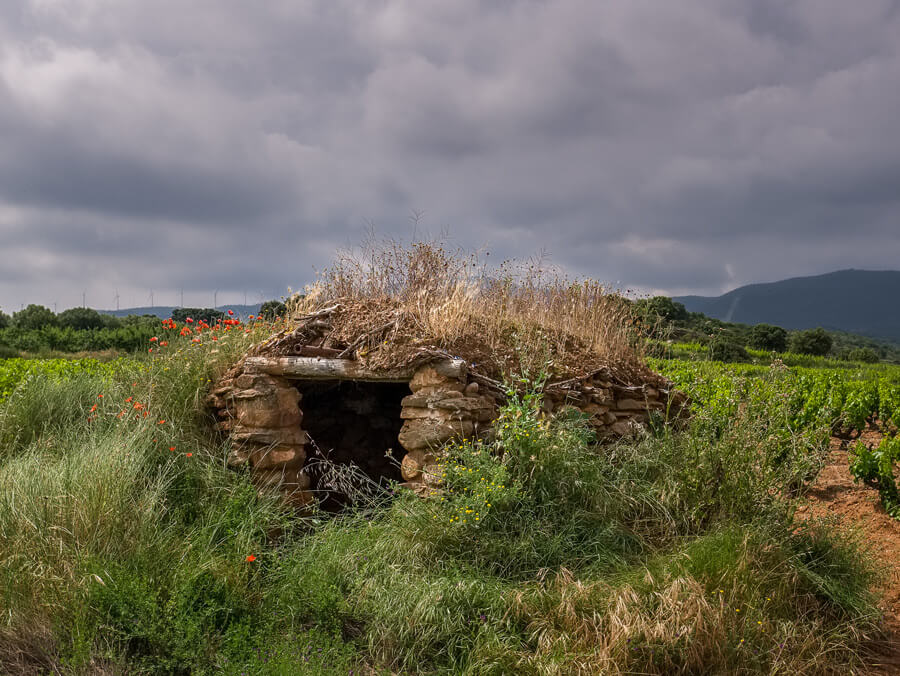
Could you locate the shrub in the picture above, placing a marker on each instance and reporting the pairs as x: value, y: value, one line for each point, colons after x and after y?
x: 722, y: 349
x: 80, y: 319
x: 272, y: 309
x: 4, y: 320
x: 864, y: 354
x: 812, y: 341
x: 768, y: 337
x: 208, y: 315
x: 875, y: 466
x: 34, y: 317
x: 662, y: 307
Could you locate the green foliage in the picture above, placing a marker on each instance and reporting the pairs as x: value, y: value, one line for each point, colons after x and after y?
x: 34, y: 317
x: 768, y: 337
x: 34, y: 372
x: 658, y: 312
x: 272, y: 309
x: 128, y: 337
x: 5, y: 320
x: 863, y: 354
x: 875, y: 466
x: 812, y: 341
x: 208, y: 315
x: 725, y: 350
x: 535, y: 553
x: 80, y: 319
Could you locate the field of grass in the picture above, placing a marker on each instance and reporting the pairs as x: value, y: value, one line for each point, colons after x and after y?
x: 127, y: 546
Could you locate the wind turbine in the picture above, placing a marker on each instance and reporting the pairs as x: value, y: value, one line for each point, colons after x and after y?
x: 117, y: 300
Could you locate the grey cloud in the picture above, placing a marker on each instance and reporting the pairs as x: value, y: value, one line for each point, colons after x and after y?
x: 687, y: 147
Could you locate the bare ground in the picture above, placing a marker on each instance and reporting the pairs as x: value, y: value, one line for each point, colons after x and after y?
x: 835, y: 493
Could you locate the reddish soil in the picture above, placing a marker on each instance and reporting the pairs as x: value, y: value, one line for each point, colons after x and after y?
x: 835, y: 493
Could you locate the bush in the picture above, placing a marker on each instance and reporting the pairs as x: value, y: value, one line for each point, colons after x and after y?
x: 864, y: 354
x: 272, y: 309
x: 768, y: 337
x: 5, y: 320
x: 812, y: 341
x: 875, y: 467
x: 662, y: 307
x: 80, y: 319
x: 727, y: 351
x: 208, y: 315
x: 34, y: 317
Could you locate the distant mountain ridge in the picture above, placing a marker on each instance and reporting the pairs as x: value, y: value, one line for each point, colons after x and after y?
x: 866, y: 302
x: 165, y: 311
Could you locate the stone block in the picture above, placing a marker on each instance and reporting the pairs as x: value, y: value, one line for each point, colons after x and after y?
x: 623, y: 428
x: 278, y: 436
x: 595, y: 409
x: 425, y: 434
x: 412, y: 464
x: 414, y: 413
x: 630, y: 405
x: 286, y: 479
x: 271, y: 457
x: 277, y: 409
x: 428, y: 378
x: 426, y: 399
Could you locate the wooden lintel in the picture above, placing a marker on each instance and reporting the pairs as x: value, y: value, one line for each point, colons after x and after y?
x: 315, y: 368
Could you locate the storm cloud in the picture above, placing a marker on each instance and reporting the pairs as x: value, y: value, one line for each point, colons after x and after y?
x: 227, y: 146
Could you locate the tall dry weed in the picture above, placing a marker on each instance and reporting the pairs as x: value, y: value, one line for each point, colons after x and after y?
x: 425, y: 295
x: 676, y: 627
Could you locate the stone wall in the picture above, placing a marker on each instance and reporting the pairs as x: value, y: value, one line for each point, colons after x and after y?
x: 262, y: 413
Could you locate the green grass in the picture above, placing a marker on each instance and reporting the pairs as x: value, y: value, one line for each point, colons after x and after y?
x: 672, y: 553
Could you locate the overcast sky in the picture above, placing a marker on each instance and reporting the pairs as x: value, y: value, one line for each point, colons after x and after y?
x: 684, y: 147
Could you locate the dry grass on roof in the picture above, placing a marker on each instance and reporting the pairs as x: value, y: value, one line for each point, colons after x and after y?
x: 388, y: 304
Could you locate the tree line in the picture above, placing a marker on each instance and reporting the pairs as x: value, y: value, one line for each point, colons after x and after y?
x: 664, y: 319
x: 37, y: 329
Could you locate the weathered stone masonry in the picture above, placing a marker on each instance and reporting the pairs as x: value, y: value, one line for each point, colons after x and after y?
x: 260, y: 405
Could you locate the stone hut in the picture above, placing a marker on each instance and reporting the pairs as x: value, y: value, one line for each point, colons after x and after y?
x: 294, y: 400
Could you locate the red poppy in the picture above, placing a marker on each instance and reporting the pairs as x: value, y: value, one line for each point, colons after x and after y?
x: 189, y: 454
x: 154, y: 339
x: 171, y: 448
x: 231, y: 312
x: 161, y: 422
x: 99, y: 396
x: 250, y: 558
x: 189, y: 320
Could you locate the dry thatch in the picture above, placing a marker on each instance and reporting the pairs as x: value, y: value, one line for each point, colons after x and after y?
x: 391, y: 305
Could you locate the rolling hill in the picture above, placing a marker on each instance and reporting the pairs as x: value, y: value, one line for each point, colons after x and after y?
x: 163, y: 311
x: 866, y: 302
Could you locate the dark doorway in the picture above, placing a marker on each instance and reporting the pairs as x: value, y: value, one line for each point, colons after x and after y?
x: 351, y: 423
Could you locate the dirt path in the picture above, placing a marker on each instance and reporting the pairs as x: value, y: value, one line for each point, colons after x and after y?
x: 836, y: 493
